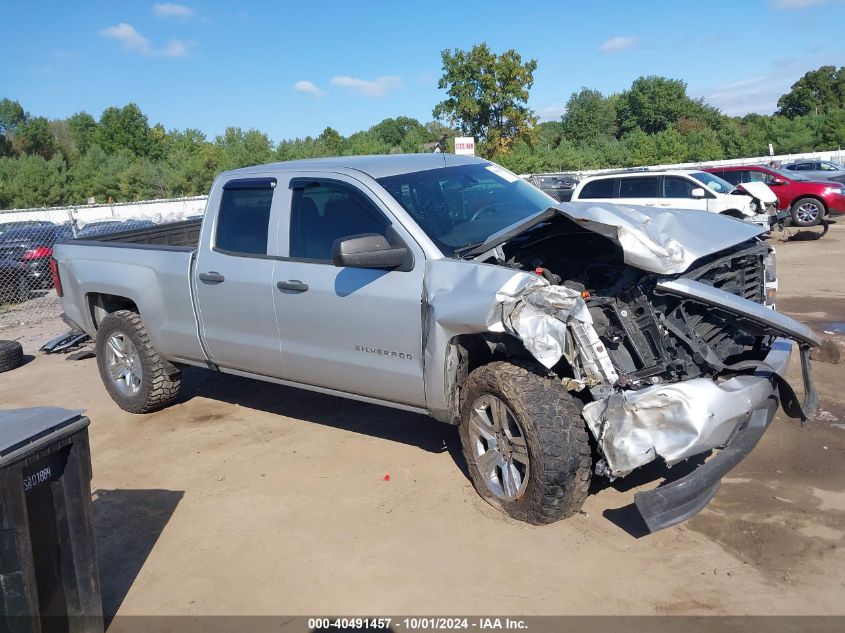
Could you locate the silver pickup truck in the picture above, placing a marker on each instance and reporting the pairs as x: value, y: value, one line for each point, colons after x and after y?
x: 564, y: 339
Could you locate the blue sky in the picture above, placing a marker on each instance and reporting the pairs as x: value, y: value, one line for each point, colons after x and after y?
x: 291, y: 69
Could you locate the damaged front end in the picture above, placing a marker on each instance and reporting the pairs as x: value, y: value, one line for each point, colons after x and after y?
x: 669, y: 329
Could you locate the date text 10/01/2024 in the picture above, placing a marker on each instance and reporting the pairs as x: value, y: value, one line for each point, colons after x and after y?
x: 417, y: 623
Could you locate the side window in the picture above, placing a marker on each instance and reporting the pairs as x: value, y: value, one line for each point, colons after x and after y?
x: 603, y: 188
x: 759, y: 176
x: 639, y: 187
x: 244, y: 217
x: 323, y: 211
x: 827, y: 167
x: 677, y: 187
x: 805, y: 166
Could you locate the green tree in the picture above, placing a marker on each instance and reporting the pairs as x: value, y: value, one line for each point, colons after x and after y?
x: 330, y: 142
x: 32, y: 181
x: 97, y: 175
x: 652, y: 104
x: 34, y: 136
x: 241, y: 149
x: 703, y: 145
x: 12, y: 115
x: 82, y: 128
x: 589, y: 116
x: 366, y: 143
x: 124, y: 128
x: 640, y: 148
x: 144, y: 180
x: 669, y: 146
x: 488, y: 96
x: 818, y: 91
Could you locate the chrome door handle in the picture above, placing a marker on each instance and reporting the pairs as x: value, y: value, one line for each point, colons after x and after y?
x: 292, y: 285
x: 212, y: 278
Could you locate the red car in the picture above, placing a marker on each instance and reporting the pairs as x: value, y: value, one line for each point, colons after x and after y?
x: 808, y: 201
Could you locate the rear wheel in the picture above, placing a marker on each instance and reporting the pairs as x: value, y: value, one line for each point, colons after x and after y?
x: 24, y: 289
x: 525, y: 443
x: 134, y: 374
x: 807, y: 212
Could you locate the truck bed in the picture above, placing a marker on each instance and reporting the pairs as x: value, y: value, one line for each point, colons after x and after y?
x: 184, y: 234
x: 150, y: 268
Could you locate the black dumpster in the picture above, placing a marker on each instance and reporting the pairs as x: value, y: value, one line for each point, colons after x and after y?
x: 48, y: 563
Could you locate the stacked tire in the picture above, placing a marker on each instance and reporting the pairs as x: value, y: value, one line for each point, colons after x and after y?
x: 11, y: 355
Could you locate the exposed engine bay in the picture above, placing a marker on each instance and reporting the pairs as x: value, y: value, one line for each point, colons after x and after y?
x: 650, y: 337
x: 660, y: 320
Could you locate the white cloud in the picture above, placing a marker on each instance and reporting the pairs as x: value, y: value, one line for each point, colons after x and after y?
x: 378, y: 88
x: 308, y: 87
x: 551, y: 113
x: 757, y: 94
x: 174, y: 48
x: 171, y: 10
x: 133, y: 41
x: 618, y: 43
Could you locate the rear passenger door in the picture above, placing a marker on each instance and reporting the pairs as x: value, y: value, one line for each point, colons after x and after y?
x: 642, y: 190
x: 233, y: 277
x: 355, y: 330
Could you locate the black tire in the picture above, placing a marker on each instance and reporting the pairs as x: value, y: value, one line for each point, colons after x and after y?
x: 24, y: 289
x: 555, y: 435
x: 11, y: 355
x: 801, y: 206
x: 159, y: 381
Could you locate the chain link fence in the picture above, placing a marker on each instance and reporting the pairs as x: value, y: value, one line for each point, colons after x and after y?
x: 27, y: 237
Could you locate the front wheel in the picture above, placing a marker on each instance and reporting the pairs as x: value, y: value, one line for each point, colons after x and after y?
x: 134, y: 374
x: 525, y: 443
x: 807, y: 212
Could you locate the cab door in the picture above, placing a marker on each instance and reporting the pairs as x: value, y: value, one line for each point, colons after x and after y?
x: 677, y: 194
x: 233, y: 277
x: 357, y: 330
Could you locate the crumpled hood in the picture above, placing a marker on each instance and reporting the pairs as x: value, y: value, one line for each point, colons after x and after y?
x: 761, y: 191
x: 665, y: 241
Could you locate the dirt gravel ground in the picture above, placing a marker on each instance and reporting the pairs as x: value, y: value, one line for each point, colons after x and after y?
x: 249, y: 498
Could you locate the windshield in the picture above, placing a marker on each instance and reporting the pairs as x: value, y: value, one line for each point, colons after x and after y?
x: 714, y: 183
x: 791, y: 175
x: 462, y: 206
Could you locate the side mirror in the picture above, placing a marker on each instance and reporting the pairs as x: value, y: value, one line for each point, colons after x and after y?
x: 698, y: 192
x: 777, y: 181
x: 369, y: 250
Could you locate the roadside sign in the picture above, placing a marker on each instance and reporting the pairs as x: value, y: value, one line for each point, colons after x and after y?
x: 465, y: 146
x: 771, y: 150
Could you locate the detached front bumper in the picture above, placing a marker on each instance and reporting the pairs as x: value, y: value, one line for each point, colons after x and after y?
x: 679, y: 420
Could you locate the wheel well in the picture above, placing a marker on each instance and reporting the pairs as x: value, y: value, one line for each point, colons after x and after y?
x: 816, y: 198
x: 468, y: 352
x: 733, y: 213
x: 101, y: 304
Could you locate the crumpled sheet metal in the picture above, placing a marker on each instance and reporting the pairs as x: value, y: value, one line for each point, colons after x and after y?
x: 465, y: 297
x: 663, y: 241
x: 538, y: 316
x: 677, y: 420
x: 761, y: 191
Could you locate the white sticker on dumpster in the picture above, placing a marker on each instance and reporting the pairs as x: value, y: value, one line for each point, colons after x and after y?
x: 39, y: 477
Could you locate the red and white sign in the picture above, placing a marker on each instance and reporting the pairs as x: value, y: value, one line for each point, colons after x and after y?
x: 465, y: 146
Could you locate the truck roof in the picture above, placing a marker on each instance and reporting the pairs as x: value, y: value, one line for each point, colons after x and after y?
x: 376, y: 166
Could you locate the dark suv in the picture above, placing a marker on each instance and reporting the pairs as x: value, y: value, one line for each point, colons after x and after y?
x: 32, y: 246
